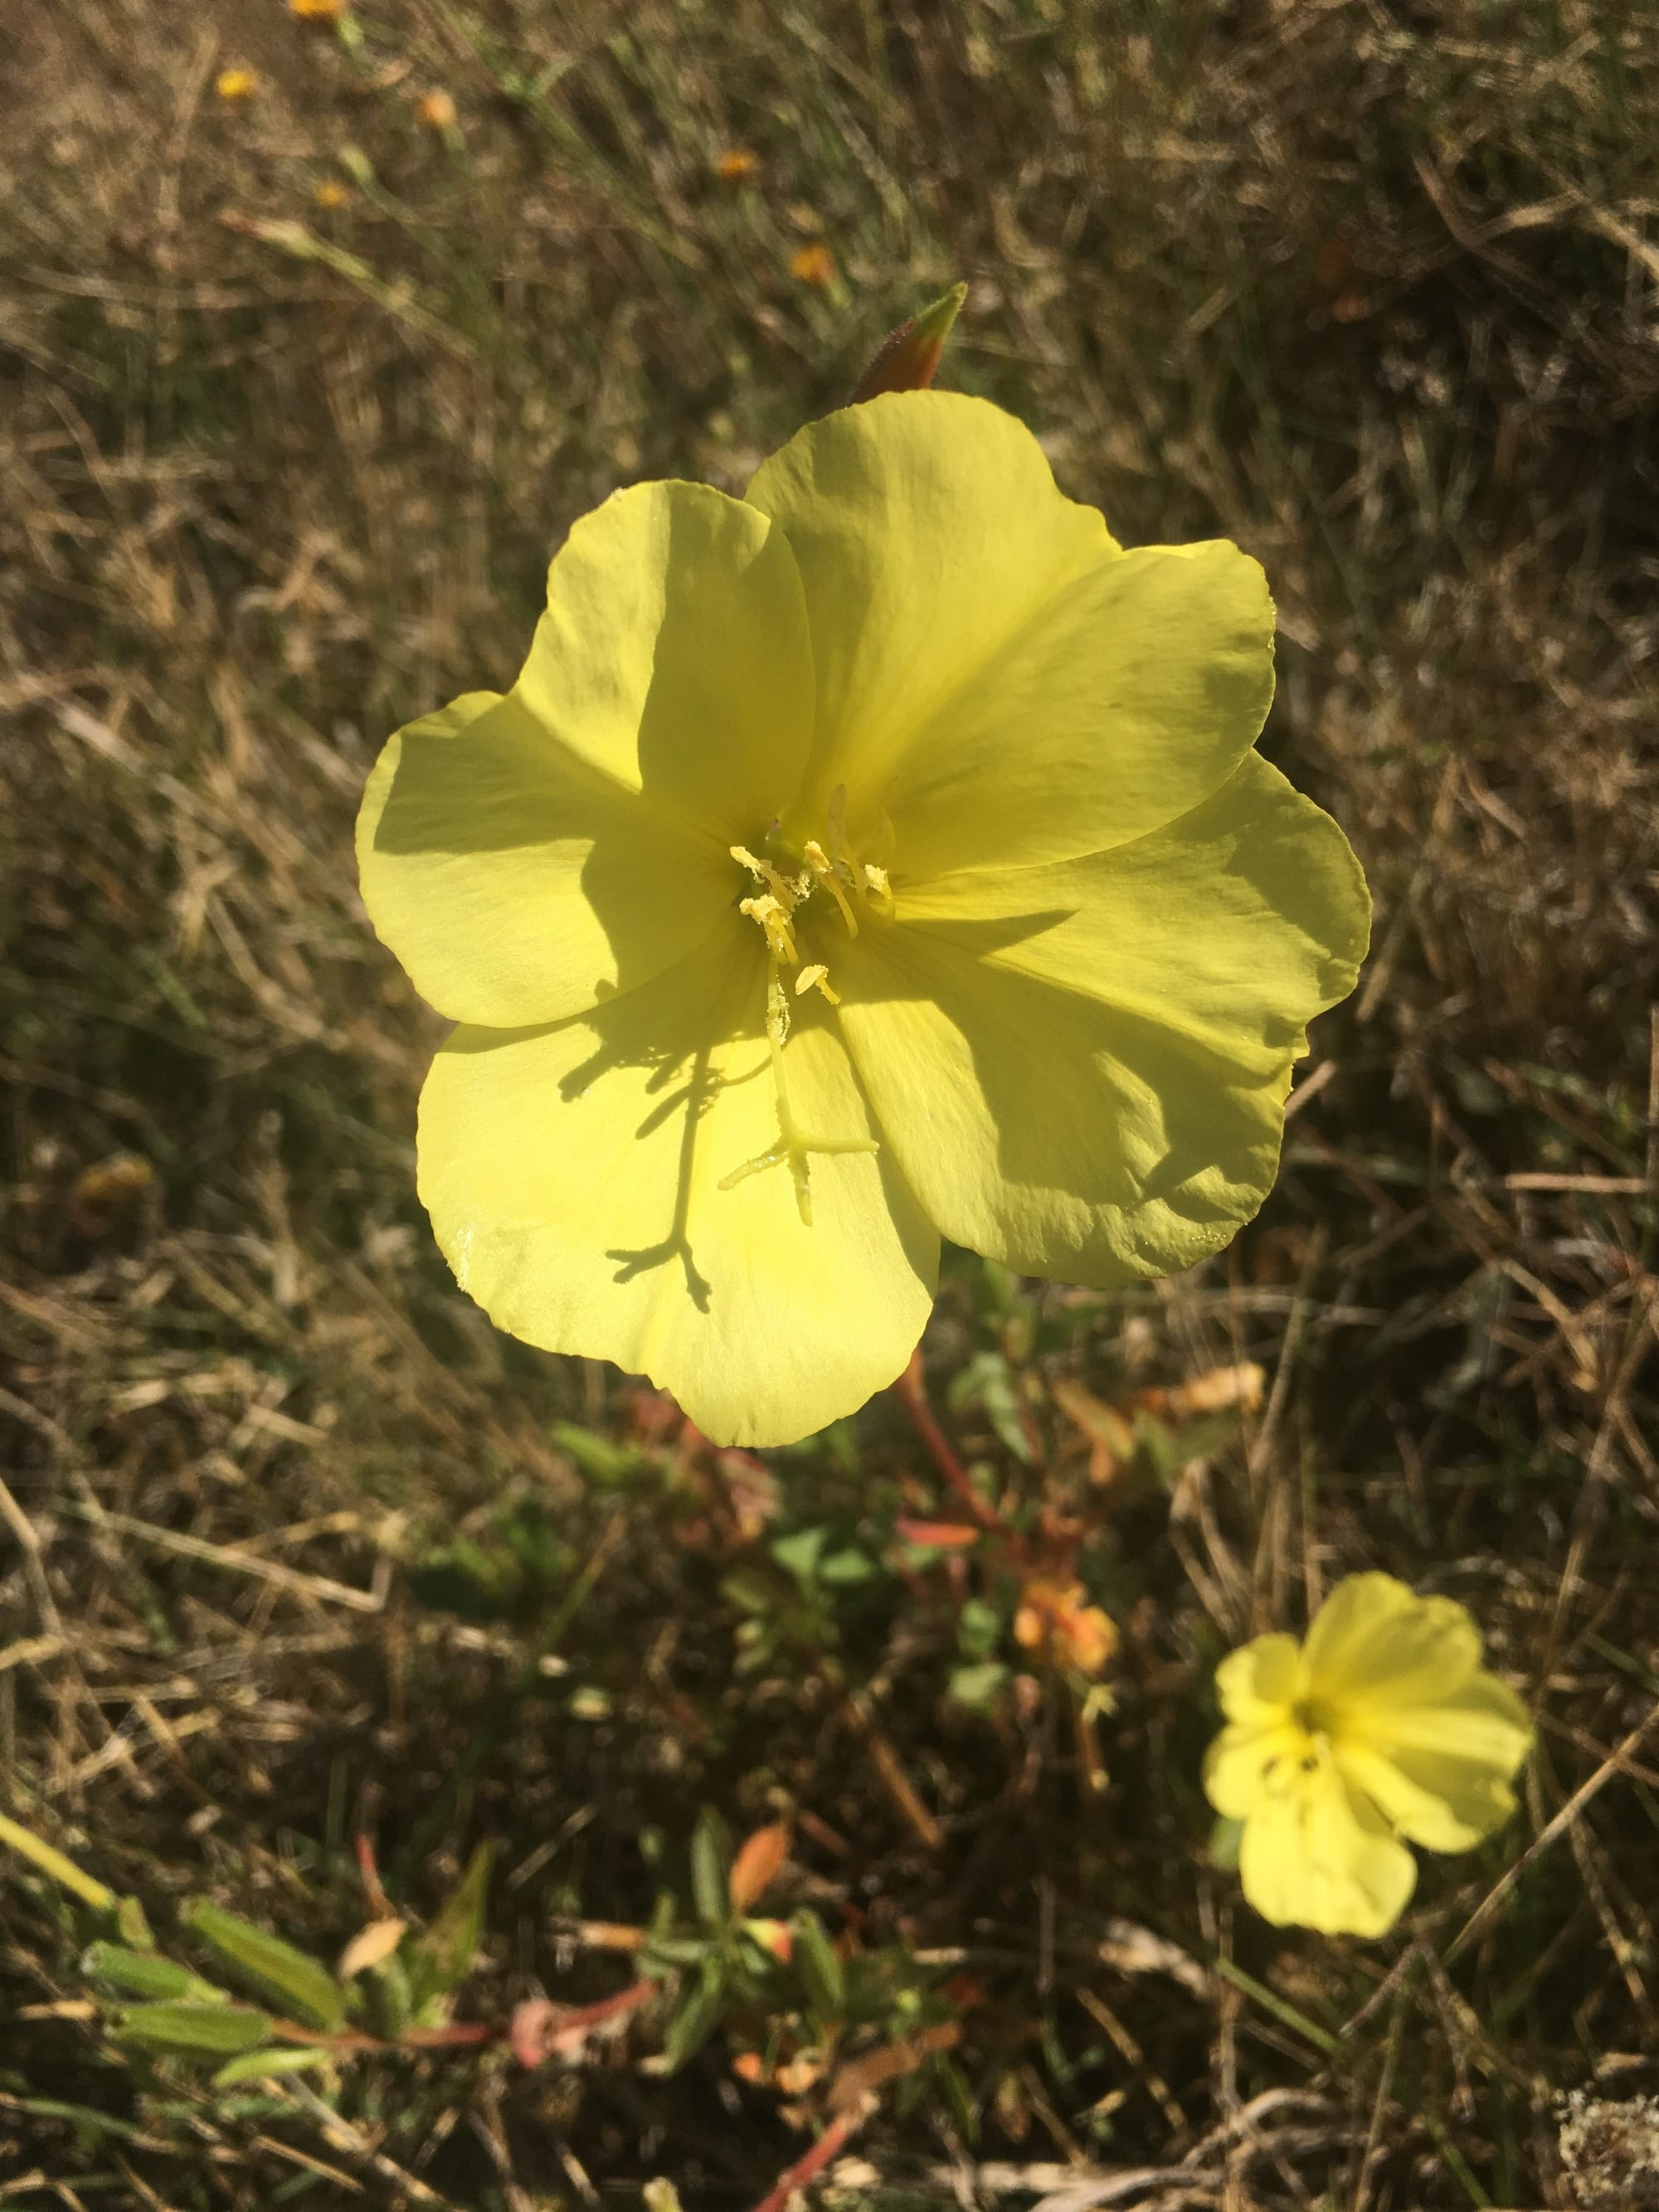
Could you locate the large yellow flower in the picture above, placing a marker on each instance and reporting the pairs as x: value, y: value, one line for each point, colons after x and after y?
x: 879, y: 857
x: 1383, y: 1724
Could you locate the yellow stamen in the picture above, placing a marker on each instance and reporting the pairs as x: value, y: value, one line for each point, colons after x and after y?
x: 877, y: 879
x: 786, y: 894
x: 817, y: 978
x: 774, y: 918
x: 822, y: 867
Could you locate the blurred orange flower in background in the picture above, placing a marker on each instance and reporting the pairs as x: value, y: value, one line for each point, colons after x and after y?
x: 437, y: 111
x: 1055, y: 1617
x: 235, y: 84
x: 317, y: 11
x: 814, y: 265
x: 733, y: 167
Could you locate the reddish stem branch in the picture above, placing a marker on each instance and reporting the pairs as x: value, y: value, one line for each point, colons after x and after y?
x: 913, y: 1393
x: 566, y: 2025
x: 379, y: 1904
x: 834, y: 2137
x: 575, y: 2024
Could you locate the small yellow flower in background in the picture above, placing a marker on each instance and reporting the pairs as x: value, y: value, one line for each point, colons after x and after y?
x: 1056, y: 1617
x: 814, y: 265
x: 330, y: 193
x: 317, y: 11
x: 437, y: 111
x: 235, y: 84
x: 880, y: 857
x: 732, y: 167
x: 1382, y: 1725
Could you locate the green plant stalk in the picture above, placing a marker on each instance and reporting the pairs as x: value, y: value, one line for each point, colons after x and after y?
x: 1320, y: 2037
x: 63, y: 1871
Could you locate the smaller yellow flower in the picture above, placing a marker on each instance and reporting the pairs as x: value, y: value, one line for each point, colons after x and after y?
x: 437, y: 111
x: 317, y: 11
x: 235, y: 84
x: 732, y: 167
x: 1382, y: 1725
x: 330, y: 193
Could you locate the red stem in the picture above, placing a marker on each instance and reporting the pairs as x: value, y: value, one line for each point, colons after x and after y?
x: 379, y: 1902
x: 464, y: 2034
x: 577, y: 2024
x: 913, y: 1391
x: 806, y: 2169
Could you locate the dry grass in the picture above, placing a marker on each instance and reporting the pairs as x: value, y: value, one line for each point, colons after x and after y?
x: 293, y: 1532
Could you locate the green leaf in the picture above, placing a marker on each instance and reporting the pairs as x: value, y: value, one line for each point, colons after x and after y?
x: 847, y: 1566
x: 440, y: 1955
x: 979, y: 1628
x: 1225, y: 1838
x: 146, y: 1974
x: 607, y: 1462
x: 90, y: 2127
x: 711, y: 1862
x: 988, y: 1380
x: 209, y: 2030
x: 276, y: 1968
x: 948, y: 2077
x: 800, y: 1551
x: 749, y: 1592
x: 978, y: 1687
x: 695, y: 2018
x: 528, y: 1532
x: 820, y: 1969
x: 283, y: 2058
x: 670, y: 1952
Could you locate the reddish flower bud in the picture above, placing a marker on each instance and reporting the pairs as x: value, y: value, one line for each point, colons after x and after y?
x: 906, y: 360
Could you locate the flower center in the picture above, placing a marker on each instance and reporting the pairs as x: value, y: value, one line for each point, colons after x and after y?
x: 789, y: 877
x: 1314, y: 1716
x: 784, y: 883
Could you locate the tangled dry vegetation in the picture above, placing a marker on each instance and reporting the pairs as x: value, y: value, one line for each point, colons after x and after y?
x: 303, y: 378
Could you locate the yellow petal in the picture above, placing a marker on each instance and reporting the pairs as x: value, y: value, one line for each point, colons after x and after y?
x: 1233, y: 925
x: 994, y: 670
x: 523, y: 857
x: 929, y: 534
x: 1058, y: 1135
x: 1162, y: 989
x: 514, y: 881
x: 571, y: 1175
x: 675, y: 658
x: 1257, y: 1683
x: 1441, y: 1769
x: 1127, y: 699
x: 1316, y: 1854
x: 1374, y: 1646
